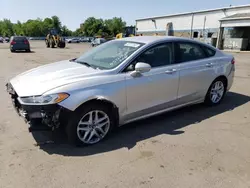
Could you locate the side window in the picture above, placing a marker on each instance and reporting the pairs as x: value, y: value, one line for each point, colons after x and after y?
x: 210, y: 52
x: 157, y: 56
x: 185, y: 52
x: 195, y: 34
x: 210, y: 34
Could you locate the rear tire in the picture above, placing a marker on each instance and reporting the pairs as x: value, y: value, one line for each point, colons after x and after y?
x: 216, y: 92
x: 84, y: 130
x: 62, y: 45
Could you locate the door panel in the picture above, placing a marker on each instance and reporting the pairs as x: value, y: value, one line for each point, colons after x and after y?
x: 195, y: 78
x: 196, y: 72
x: 152, y: 91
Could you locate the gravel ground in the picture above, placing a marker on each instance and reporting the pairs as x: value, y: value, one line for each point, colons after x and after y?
x: 196, y: 147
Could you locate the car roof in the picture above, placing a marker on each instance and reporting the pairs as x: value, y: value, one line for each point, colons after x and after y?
x: 19, y: 36
x: 153, y: 39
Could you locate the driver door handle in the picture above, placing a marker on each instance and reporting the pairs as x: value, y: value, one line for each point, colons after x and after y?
x: 170, y: 71
x: 209, y: 64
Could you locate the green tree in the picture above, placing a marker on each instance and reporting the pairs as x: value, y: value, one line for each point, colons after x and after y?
x: 56, y: 23
x: 66, y: 31
x: 33, y: 28
x: 6, y: 28
x: 47, y: 25
x: 38, y: 27
x: 50, y: 23
x: 115, y: 25
x: 1, y: 28
x: 18, y: 28
x: 109, y: 27
x: 78, y: 32
x: 93, y: 26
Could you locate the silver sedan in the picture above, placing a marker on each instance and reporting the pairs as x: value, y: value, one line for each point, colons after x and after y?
x: 121, y: 81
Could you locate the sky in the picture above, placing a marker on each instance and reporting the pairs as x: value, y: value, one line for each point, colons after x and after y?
x: 74, y: 12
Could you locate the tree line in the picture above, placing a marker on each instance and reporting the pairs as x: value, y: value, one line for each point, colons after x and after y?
x: 40, y: 27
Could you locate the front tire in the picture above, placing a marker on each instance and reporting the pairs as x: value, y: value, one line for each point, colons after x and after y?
x: 89, y: 124
x: 47, y: 44
x: 52, y: 44
x: 216, y: 92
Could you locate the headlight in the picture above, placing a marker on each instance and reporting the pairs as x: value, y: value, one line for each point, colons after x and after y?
x: 45, y: 99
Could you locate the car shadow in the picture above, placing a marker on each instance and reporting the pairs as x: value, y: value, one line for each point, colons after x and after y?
x: 128, y: 135
x: 24, y: 52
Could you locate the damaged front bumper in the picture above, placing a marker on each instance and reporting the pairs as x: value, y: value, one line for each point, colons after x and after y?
x: 38, y: 117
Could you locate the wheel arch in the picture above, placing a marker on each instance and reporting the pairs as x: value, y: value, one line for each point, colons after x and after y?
x: 103, y: 101
x: 222, y: 77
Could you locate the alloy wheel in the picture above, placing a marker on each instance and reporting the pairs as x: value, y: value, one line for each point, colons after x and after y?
x: 217, y: 92
x: 93, y: 127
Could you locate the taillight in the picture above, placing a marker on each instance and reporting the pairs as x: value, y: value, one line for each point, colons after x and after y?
x: 13, y: 42
x: 233, y: 61
x: 26, y: 42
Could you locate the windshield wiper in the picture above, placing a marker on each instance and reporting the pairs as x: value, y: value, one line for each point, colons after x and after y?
x: 86, y: 64
x: 72, y: 60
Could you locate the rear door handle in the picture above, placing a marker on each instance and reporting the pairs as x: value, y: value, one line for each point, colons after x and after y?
x: 170, y: 71
x: 209, y: 64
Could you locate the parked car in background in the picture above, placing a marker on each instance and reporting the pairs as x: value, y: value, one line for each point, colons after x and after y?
x: 122, y: 81
x: 7, y: 39
x: 19, y: 43
x: 1, y: 39
x: 91, y: 39
x: 98, y: 41
x: 84, y: 39
x: 73, y: 40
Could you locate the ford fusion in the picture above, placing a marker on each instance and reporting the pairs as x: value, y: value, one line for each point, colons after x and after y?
x: 118, y: 82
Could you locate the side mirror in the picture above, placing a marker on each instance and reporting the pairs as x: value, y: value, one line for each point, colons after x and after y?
x: 140, y: 68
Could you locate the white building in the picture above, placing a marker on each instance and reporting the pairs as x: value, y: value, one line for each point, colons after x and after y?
x: 222, y: 23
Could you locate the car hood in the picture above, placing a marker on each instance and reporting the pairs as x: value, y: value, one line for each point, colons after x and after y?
x: 44, y: 78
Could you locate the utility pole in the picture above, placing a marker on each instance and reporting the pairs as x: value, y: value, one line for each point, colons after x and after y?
x: 204, y: 27
x: 191, y: 30
x: 154, y: 21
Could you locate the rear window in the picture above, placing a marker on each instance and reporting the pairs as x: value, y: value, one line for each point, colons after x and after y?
x: 20, y: 38
x: 187, y: 51
x: 209, y: 52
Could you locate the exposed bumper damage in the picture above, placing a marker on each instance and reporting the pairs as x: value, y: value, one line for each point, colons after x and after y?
x: 38, y: 117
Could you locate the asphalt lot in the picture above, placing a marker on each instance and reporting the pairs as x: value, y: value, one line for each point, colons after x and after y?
x: 196, y: 147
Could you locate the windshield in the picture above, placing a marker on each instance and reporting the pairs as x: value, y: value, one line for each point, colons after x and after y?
x: 20, y: 38
x: 110, y: 54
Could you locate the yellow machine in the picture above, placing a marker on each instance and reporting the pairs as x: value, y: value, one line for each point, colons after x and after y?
x: 127, y: 32
x: 53, y: 39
